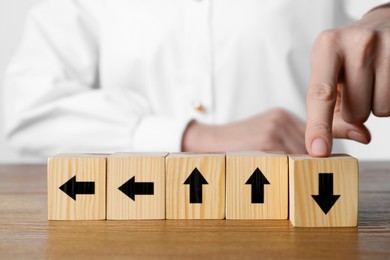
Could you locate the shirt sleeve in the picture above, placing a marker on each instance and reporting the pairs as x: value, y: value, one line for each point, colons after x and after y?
x: 53, y: 102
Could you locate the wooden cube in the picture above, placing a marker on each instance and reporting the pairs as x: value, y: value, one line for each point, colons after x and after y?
x: 136, y: 186
x: 195, y: 186
x: 77, y: 187
x: 256, y: 185
x: 323, y: 191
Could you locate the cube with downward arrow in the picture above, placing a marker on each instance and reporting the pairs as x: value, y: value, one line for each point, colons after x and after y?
x: 77, y: 187
x: 195, y: 186
x: 256, y: 185
x: 136, y: 186
x: 323, y: 191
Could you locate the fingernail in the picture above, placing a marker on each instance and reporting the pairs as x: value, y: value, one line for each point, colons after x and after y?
x: 355, y: 135
x: 319, y: 147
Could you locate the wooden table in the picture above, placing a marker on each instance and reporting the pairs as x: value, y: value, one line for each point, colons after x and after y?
x: 26, y: 233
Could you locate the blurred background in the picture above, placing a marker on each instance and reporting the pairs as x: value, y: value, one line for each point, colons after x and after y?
x: 12, y: 16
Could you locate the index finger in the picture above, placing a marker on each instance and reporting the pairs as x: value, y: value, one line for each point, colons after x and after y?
x: 326, y: 65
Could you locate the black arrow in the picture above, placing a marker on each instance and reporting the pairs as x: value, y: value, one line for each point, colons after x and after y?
x: 196, y: 180
x: 325, y: 198
x: 257, y: 180
x: 72, y: 187
x: 132, y: 188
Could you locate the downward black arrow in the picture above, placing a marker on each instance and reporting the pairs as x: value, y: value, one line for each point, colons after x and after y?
x: 325, y: 198
x: 72, y: 187
x: 257, y: 180
x: 196, y: 180
x: 132, y: 188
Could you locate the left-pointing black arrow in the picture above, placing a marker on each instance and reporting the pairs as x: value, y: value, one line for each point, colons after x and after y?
x: 72, y: 187
x: 132, y: 188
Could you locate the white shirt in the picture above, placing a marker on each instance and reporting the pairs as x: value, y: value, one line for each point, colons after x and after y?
x: 116, y: 75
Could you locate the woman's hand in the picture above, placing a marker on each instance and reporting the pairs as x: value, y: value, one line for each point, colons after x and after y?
x: 350, y: 78
x: 274, y: 130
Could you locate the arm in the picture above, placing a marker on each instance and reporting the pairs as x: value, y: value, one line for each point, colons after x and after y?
x: 273, y: 130
x: 52, y: 98
x: 349, y: 80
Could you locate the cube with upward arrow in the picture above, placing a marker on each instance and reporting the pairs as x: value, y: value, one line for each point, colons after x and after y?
x: 256, y: 185
x: 195, y: 186
x: 136, y: 186
x: 323, y: 191
x: 77, y: 187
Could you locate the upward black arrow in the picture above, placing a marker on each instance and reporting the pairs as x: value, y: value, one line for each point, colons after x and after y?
x: 72, y: 187
x: 257, y: 180
x: 325, y: 198
x: 132, y: 188
x: 196, y: 180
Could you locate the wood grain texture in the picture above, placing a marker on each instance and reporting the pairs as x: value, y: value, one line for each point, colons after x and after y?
x: 144, y: 167
x: 178, y: 168
x: 239, y: 168
x: 86, y: 168
x: 304, y: 182
x: 25, y: 232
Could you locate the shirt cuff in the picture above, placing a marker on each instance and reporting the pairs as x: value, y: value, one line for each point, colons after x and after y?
x: 156, y: 133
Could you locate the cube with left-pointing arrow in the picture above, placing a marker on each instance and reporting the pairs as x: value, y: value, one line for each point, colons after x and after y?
x: 136, y: 186
x: 77, y: 187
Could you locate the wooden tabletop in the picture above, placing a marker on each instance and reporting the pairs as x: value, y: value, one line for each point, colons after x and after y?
x: 26, y: 233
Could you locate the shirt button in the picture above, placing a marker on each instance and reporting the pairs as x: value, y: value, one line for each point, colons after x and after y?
x: 198, y: 107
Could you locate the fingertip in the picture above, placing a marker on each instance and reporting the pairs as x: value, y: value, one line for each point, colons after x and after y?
x: 359, y: 136
x: 319, y: 148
